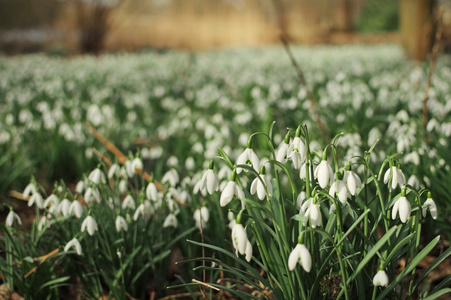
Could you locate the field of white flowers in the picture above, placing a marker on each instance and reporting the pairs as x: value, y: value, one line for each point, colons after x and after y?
x: 199, y: 130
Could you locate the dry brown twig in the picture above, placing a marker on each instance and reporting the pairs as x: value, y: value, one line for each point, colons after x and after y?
x: 303, y: 83
x: 438, y: 36
x: 122, y: 159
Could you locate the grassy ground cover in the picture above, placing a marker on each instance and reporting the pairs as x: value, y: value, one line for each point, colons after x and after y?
x: 169, y: 113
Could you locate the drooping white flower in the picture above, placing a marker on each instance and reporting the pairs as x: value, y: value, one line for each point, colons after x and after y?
x: 239, y: 239
x: 300, y: 199
x: 121, y: 224
x: 296, y: 159
x: 429, y: 204
x: 397, y: 177
x: 230, y: 191
x: 303, y: 171
x: 73, y: 243
x: 29, y: 190
x: 300, y: 255
x: 258, y: 187
x: 64, y: 207
x: 201, y: 216
x: 91, y: 195
x: 403, y: 206
x: 170, y: 220
x: 36, y: 198
x: 43, y: 222
x: 52, y: 201
x: 80, y: 187
x: 248, y: 157
x: 380, y: 279
x: 97, y: 176
x: 90, y: 225
x: 305, y: 205
x: 128, y: 202
x: 123, y: 186
x: 11, y: 217
x: 282, y: 151
x: 353, y: 181
x: 248, y: 251
x: 171, y: 177
x: 313, y: 214
x: 113, y: 171
x: 297, y: 152
x: 209, y: 181
x: 414, y: 182
x: 76, y: 209
x: 339, y: 188
x: 324, y: 173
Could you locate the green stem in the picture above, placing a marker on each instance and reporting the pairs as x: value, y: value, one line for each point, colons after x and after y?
x: 339, y: 249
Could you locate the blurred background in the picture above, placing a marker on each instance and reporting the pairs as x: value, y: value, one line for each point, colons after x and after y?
x: 69, y: 27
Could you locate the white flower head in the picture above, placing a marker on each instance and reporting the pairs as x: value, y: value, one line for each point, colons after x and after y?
x: 76, y: 209
x: 340, y: 189
x: 113, y: 171
x: 230, y: 191
x: 128, y: 202
x: 352, y: 181
x: 30, y: 189
x: 300, y: 199
x: 91, y: 195
x: 396, y: 175
x: 121, y: 224
x: 152, y: 192
x: 258, y: 187
x: 239, y: 239
x: 300, y: 255
x: 248, y: 157
x: 297, y: 152
x: 282, y: 151
x: 90, y: 225
x: 429, y: 204
x: 97, y: 176
x: 11, y: 217
x: 64, y: 207
x: 36, y: 198
x: 380, y: 279
x: 324, y: 173
x: 209, y: 180
x: 248, y: 251
x: 313, y: 213
x: 73, y: 243
x: 403, y: 206
x: 171, y: 177
x: 170, y: 220
x: 201, y: 216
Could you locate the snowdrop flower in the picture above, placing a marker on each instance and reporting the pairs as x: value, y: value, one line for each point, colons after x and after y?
x: 380, y: 279
x: 140, y: 211
x: 36, y: 197
x: 313, y: 214
x: 239, y: 239
x: 30, y: 189
x: 258, y: 187
x: 151, y: 191
x: 304, y: 206
x: 76, y: 209
x: 397, y: 177
x: 248, y: 157
x: 248, y: 251
x: 209, y: 180
x: 301, y: 197
x: 73, y: 243
x: 282, y: 151
x: 429, y: 204
x: 11, y: 217
x: 123, y: 186
x: 53, y: 202
x: 339, y: 188
x: 297, y: 150
x: 303, y: 171
x: 43, y: 222
x: 352, y: 180
x: 132, y: 166
x: 201, y: 216
x: 403, y: 206
x: 64, y: 207
x: 97, y: 176
x: 80, y: 187
x: 171, y: 176
x: 91, y: 194
x: 414, y: 182
x: 90, y: 225
x: 300, y: 255
x: 128, y: 202
x: 324, y: 173
x: 113, y: 171
x: 121, y: 224
x: 230, y: 191
x: 170, y: 220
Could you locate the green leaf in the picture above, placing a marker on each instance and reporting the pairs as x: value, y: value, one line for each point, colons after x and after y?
x: 415, y: 261
x: 438, y: 261
x: 53, y: 282
x: 438, y: 294
x: 372, y: 252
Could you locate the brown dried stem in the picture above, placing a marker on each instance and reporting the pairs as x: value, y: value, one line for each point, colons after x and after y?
x: 303, y: 83
x: 438, y: 36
